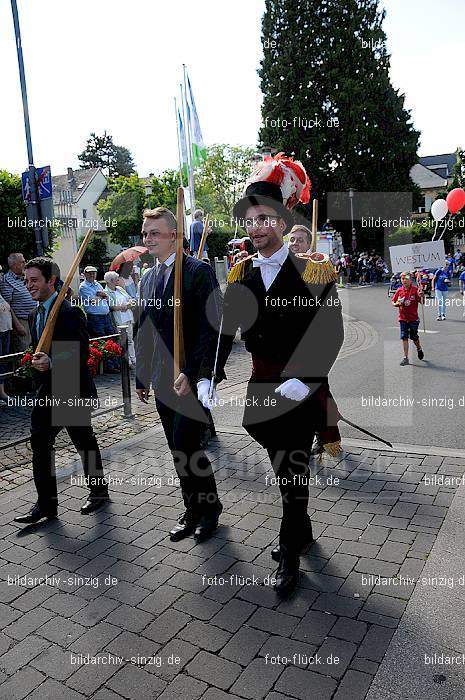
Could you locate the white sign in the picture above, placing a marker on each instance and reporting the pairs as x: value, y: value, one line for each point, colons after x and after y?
x: 417, y: 255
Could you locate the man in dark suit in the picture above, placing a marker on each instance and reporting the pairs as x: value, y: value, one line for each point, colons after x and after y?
x: 65, y: 395
x: 183, y: 417
x: 290, y: 318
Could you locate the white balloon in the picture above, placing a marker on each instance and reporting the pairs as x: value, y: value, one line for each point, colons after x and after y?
x: 439, y: 209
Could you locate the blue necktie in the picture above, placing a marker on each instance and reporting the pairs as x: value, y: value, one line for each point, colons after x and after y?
x: 160, y: 281
x: 41, y: 314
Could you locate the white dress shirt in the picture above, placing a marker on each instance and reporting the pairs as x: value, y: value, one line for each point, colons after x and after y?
x: 269, y: 267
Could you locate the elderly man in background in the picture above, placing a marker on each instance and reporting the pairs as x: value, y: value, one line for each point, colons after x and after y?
x: 15, y: 293
x: 121, y: 305
x: 94, y: 301
x: 299, y: 239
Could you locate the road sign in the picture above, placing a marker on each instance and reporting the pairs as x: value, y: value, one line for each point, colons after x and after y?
x: 44, y: 182
x: 27, y: 187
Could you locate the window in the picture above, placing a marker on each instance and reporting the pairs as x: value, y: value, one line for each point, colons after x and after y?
x: 84, y: 213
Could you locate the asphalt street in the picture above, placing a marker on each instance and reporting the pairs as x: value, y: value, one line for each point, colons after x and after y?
x: 422, y: 403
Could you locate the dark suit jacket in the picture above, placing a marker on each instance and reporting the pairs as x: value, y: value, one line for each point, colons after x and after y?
x: 69, y: 352
x: 294, y: 327
x: 201, y: 310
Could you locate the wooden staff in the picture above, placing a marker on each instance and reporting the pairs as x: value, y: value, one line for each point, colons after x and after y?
x: 314, y: 225
x: 420, y: 287
x: 203, y: 239
x: 46, y: 338
x: 178, y: 332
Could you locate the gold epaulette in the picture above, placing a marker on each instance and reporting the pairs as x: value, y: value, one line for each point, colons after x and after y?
x: 237, y: 272
x: 319, y: 268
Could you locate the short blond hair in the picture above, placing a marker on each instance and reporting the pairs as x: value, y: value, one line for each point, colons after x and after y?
x: 161, y: 213
x: 301, y: 227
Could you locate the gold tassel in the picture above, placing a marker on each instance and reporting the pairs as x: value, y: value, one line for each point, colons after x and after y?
x: 333, y: 448
x: 237, y: 272
x: 319, y: 272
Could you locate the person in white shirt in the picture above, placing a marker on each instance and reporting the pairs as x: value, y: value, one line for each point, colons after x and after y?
x: 121, y: 304
x: 6, y: 327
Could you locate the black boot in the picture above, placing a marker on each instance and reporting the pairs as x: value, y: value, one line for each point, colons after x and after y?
x: 287, y: 575
x: 185, y: 527
x: 306, y: 544
x: 207, y: 524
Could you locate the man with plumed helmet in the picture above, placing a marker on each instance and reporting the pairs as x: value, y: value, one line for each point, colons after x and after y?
x: 290, y: 318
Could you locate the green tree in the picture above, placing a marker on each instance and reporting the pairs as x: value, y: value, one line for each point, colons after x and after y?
x: 101, y: 152
x: 123, y: 206
x: 164, y: 190
x: 15, y: 236
x: 328, y: 98
x: 96, y: 252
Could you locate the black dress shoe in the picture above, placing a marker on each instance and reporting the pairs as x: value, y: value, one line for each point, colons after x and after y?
x: 276, y: 552
x: 184, y: 528
x: 207, y: 525
x: 34, y: 515
x: 93, y: 503
x: 287, y: 575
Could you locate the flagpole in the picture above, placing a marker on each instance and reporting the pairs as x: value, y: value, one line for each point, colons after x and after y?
x: 189, y: 142
x: 179, y: 141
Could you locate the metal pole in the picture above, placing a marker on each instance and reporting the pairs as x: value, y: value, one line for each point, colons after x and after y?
x: 35, y: 203
x: 125, y: 372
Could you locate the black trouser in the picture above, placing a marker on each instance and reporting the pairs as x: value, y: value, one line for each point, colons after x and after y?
x: 285, y: 428
x: 43, y: 435
x: 184, y: 421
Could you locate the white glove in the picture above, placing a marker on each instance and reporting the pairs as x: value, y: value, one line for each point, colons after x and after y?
x: 203, y: 393
x: 293, y: 389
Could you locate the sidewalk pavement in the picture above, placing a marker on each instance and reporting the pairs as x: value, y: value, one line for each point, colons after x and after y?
x: 126, y: 613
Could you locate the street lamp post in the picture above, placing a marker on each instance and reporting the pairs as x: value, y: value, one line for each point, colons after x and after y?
x: 352, y: 230
x: 35, y: 202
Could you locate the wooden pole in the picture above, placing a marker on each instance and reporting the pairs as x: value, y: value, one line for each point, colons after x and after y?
x: 314, y: 225
x: 178, y: 332
x: 46, y: 338
x: 203, y: 239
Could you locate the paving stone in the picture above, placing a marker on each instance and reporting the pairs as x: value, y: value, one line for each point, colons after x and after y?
x: 184, y: 687
x: 33, y: 598
x: 377, y: 567
x: 314, y: 627
x: 401, y: 536
x: 161, y: 599
x: 394, y: 552
x: 375, y: 535
x: 54, y: 662
x: 21, y: 654
x: 21, y: 684
x: 301, y: 680
x: 89, y: 678
x: 128, y: 645
x: 384, y: 605
x: 53, y: 690
x: 375, y: 643
x: 135, y: 683
x: 217, y: 694
x: 370, y: 667
x: 167, y: 625
x: 129, y: 618
x: 348, y: 629
x: 207, y: 636
x: 28, y: 623
x: 295, y: 651
x: 214, y: 669
x: 244, y: 645
x: 340, y: 565
x: 233, y: 615
x: 273, y: 621
x: 389, y: 521
x: 359, y: 549
x: 95, y: 611
x: 197, y: 606
x: 257, y: 679
x: 337, y: 605
x: 376, y: 619
x: 298, y: 604
x: 354, y: 686
x: 95, y: 639
x: 334, y: 649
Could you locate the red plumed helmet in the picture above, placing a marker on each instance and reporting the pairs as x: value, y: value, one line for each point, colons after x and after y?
x: 286, y: 172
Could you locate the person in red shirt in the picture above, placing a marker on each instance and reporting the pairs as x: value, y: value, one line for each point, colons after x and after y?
x: 407, y: 299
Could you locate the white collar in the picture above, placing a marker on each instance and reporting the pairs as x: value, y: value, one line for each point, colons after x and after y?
x: 280, y: 256
x: 169, y: 261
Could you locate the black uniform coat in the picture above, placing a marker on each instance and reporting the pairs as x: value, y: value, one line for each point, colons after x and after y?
x: 201, y: 309
x: 69, y: 381
x: 293, y: 330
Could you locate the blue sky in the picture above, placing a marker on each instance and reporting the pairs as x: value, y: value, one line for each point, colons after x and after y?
x: 101, y: 64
